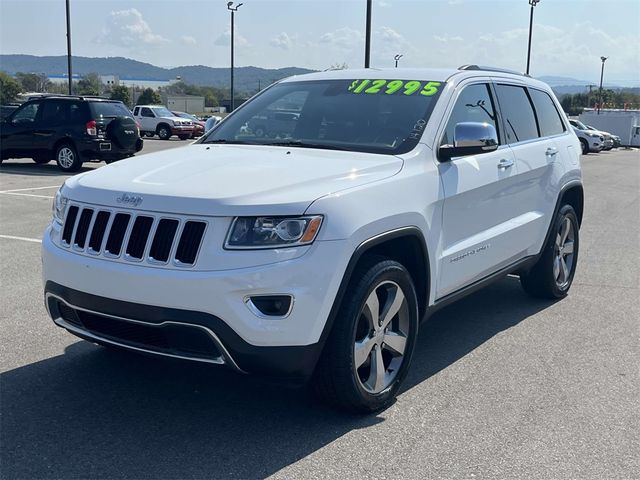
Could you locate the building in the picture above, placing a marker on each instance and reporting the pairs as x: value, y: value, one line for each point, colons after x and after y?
x: 185, y: 103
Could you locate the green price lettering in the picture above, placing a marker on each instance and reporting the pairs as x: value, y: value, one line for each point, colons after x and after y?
x: 431, y: 88
x: 377, y: 85
x: 410, y: 87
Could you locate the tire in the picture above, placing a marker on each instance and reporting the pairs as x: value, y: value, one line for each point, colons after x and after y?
x: 343, y: 377
x: 67, y: 158
x: 552, y: 275
x: 122, y: 131
x: 164, y: 132
x: 184, y: 137
x: 41, y: 160
x: 584, y: 145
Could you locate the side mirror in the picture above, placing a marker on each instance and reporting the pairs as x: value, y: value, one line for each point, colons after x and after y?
x: 470, y: 138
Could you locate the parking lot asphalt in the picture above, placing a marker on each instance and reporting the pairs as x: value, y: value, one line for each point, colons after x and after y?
x: 501, y: 386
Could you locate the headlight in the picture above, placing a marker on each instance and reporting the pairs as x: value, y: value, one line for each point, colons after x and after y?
x: 59, y: 206
x: 594, y: 135
x: 272, y: 232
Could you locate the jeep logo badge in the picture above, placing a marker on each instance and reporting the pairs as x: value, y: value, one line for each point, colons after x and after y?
x: 129, y: 199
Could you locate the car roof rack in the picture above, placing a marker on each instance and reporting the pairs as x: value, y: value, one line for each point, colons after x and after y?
x: 493, y: 69
x: 62, y: 95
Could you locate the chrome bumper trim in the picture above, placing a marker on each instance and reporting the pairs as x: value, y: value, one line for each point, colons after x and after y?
x: 224, y: 359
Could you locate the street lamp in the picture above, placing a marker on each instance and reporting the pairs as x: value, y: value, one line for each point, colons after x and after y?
x: 69, y: 47
x: 233, y: 10
x: 533, y: 3
x: 604, y: 59
x: 396, y: 58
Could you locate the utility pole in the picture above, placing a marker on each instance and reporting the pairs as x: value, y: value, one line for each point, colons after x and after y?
x: 69, y: 48
x: 604, y: 59
x: 533, y: 3
x: 367, y: 38
x: 396, y: 58
x: 233, y: 10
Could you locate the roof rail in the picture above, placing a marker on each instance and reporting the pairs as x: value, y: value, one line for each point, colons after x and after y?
x: 492, y: 69
x: 62, y: 95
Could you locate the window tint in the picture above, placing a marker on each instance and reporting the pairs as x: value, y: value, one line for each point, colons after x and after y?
x: 519, y: 119
x: 146, y: 112
x: 26, y: 114
x: 473, y: 105
x: 548, y: 117
x: 53, y: 112
x: 109, y: 109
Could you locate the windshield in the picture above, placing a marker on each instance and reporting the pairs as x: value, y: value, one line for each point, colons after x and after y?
x: 378, y: 116
x: 186, y: 115
x: 162, y: 112
x: 579, y: 125
x: 109, y: 109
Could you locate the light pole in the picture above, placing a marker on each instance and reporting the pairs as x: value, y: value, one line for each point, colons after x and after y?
x: 533, y: 3
x: 396, y: 58
x: 233, y: 10
x: 604, y: 59
x: 367, y: 37
x: 69, y: 48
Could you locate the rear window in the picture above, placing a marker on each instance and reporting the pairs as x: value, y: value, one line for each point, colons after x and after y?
x: 519, y: 119
x: 109, y: 109
x: 548, y: 117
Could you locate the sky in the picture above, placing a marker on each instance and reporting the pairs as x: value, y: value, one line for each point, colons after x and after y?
x: 569, y: 36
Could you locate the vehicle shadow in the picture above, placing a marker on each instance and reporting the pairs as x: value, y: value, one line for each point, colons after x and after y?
x: 96, y: 413
x: 28, y: 167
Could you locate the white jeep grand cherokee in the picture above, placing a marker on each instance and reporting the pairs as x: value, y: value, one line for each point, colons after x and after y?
x: 315, y: 252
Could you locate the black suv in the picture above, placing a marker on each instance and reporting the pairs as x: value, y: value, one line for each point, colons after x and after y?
x: 70, y: 130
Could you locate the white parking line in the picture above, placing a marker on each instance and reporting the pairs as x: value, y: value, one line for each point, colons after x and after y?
x: 25, y: 194
x: 28, y: 189
x: 24, y: 239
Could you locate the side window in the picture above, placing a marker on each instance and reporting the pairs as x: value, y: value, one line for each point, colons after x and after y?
x: 146, y: 112
x: 26, y: 114
x: 549, y: 119
x: 519, y: 119
x: 474, y: 104
x: 136, y: 111
x: 51, y: 112
x: 76, y: 112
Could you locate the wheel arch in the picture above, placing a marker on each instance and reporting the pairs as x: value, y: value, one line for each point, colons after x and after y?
x: 573, y: 194
x: 405, y: 245
x: 62, y: 141
x: 163, y: 124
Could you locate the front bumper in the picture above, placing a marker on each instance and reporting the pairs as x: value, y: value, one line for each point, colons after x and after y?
x: 213, y: 300
x: 182, y: 130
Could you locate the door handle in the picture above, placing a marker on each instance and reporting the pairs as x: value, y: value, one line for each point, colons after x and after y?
x: 505, y: 163
x: 551, y: 151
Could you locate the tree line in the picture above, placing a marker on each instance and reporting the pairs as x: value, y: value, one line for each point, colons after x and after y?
x: 574, y: 104
x: 91, y: 84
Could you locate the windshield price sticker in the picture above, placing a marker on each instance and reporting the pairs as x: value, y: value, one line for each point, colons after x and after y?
x: 390, y: 87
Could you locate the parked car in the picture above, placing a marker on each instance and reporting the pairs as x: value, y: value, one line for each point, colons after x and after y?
x: 71, y: 130
x: 273, y: 123
x: 158, y: 120
x: 609, y: 141
x: 198, y: 125
x: 315, y: 257
x: 590, y: 141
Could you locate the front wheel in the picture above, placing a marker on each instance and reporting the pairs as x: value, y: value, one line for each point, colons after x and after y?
x: 552, y: 276
x: 67, y: 158
x: 164, y: 133
x: 584, y: 146
x: 369, y: 349
x: 41, y: 160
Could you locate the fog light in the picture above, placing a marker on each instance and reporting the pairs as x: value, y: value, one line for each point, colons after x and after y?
x: 270, y: 305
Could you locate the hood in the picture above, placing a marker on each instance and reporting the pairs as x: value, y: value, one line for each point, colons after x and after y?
x: 229, y: 180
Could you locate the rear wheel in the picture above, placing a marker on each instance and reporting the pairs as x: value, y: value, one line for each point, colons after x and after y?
x: 369, y: 349
x: 552, y: 275
x: 67, y: 158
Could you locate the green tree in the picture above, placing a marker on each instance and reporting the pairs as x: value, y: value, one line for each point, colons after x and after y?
x: 149, y: 97
x: 121, y: 93
x: 9, y: 88
x: 90, y: 84
x: 33, y: 82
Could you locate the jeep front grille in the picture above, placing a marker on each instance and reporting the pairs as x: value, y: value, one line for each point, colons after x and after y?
x: 132, y: 236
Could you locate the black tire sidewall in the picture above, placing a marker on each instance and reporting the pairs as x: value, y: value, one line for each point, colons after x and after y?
x: 167, y: 130
x: 377, y: 273
x: 584, y: 146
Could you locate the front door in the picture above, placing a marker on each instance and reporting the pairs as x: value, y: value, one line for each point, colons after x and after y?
x: 480, y: 197
x: 18, y: 131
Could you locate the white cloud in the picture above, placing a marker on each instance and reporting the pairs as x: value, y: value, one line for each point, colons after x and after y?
x: 127, y: 28
x: 188, y: 40
x: 224, y: 39
x: 283, y: 40
x: 345, y: 38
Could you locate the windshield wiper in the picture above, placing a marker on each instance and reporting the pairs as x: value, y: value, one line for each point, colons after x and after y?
x: 298, y: 143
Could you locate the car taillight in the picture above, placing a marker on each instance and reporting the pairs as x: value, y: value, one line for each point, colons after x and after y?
x: 92, y: 128
x: 138, y: 125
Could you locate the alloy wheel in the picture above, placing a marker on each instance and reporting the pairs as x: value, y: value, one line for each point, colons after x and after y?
x: 564, y: 253
x: 66, y: 157
x: 381, y: 337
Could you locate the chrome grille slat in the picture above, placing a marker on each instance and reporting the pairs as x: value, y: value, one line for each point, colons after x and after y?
x: 175, y: 239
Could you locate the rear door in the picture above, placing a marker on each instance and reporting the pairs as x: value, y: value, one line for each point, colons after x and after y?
x: 537, y: 147
x: 480, y: 196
